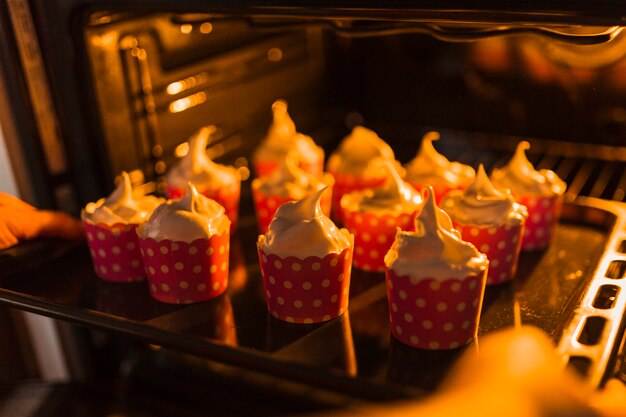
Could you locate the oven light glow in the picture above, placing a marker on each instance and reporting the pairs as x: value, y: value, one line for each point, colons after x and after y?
x: 187, y: 102
x: 206, y: 28
x: 187, y: 83
x: 181, y: 150
x: 274, y: 54
x: 186, y: 28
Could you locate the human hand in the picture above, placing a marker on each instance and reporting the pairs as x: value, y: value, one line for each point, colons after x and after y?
x: 20, y: 221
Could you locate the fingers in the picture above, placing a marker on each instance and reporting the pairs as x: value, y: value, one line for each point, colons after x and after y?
x: 59, y: 225
x: 14, y: 203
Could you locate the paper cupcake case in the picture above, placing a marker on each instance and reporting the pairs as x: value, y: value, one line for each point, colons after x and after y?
x: 183, y: 273
x: 373, y: 236
x: 501, y: 245
x: 543, y: 216
x: 227, y: 197
x: 115, y: 251
x: 345, y: 184
x: 266, y: 168
x: 267, y: 205
x: 310, y: 290
x: 434, y: 314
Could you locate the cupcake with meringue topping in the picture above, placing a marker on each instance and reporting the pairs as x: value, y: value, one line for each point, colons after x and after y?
x: 219, y: 182
x: 355, y: 164
x: 281, y: 139
x: 185, y: 247
x: 110, y: 225
x: 287, y: 183
x: 491, y: 220
x: 374, y: 214
x: 305, y: 263
x: 429, y: 167
x: 435, y: 283
x: 540, y: 191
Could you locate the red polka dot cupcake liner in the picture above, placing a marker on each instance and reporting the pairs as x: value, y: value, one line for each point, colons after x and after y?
x: 227, y: 197
x: 266, y: 168
x: 543, y: 216
x: 502, y: 246
x: 266, y: 206
x: 183, y: 273
x: 310, y: 290
x: 115, y: 251
x: 373, y: 236
x: 435, y: 314
x: 345, y: 184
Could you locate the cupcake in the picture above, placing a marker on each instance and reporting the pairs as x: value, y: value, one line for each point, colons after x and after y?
x: 356, y: 164
x: 491, y: 220
x: 218, y: 182
x: 429, y: 167
x: 110, y: 228
x: 305, y: 263
x: 435, y: 283
x: 287, y: 183
x: 185, y: 248
x: 281, y: 139
x: 540, y: 191
x: 374, y: 214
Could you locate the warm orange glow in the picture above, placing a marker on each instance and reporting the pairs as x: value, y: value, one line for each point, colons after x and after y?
x: 182, y: 150
x: 187, y: 102
x: 187, y: 83
x: 206, y: 28
x: 186, y: 28
x: 274, y: 54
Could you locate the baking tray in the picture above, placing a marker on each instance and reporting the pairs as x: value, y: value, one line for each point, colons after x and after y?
x: 556, y: 290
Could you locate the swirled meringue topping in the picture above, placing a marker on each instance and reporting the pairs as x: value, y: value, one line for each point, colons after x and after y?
x: 122, y: 206
x: 300, y: 229
x: 429, y: 167
x: 435, y: 250
x: 289, y: 181
x: 394, y: 196
x: 357, y: 151
x: 521, y: 178
x: 483, y: 204
x: 282, y: 137
x: 191, y: 217
x: 198, y: 168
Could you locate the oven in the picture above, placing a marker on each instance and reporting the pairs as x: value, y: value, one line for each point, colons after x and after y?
x: 91, y: 88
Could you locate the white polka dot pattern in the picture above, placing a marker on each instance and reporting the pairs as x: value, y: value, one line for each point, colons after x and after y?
x: 374, y: 235
x: 181, y: 272
x: 434, y: 314
x: 311, y: 290
x: 543, y: 215
x: 501, y: 245
x: 115, y: 252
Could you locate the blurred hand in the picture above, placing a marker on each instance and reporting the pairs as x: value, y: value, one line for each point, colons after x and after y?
x: 513, y: 373
x: 20, y: 221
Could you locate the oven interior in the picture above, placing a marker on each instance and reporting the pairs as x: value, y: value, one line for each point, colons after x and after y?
x: 152, y: 79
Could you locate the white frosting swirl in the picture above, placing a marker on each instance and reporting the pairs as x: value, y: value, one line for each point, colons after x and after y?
x: 282, y: 137
x: 300, y: 229
x: 521, y: 178
x: 435, y: 250
x: 484, y: 205
x: 357, y: 151
x: 122, y: 206
x: 429, y: 167
x: 290, y: 181
x: 198, y: 168
x: 191, y: 217
x: 394, y: 196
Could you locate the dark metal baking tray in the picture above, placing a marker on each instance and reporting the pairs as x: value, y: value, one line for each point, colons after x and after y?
x: 355, y: 353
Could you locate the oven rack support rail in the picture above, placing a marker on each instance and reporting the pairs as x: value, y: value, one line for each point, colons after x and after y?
x: 591, y: 339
